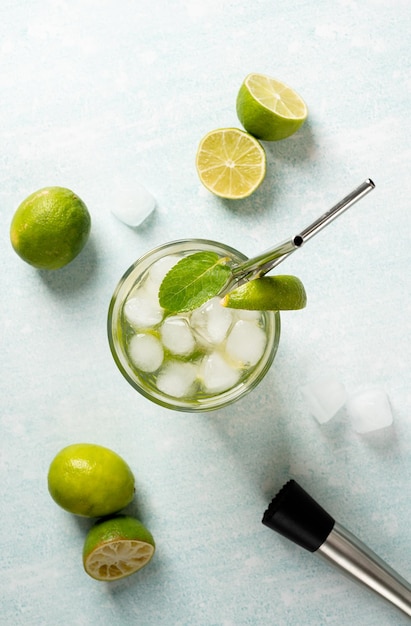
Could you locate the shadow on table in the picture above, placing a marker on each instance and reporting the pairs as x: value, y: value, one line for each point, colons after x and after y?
x: 280, y: 155
x: 74, y: 277
x: 382, y: 441
x: 259, y: 433
x: 255, y: 431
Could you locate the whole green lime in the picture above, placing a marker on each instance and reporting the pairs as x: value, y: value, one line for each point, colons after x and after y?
x: 90, y: 480
x: 50, y: 228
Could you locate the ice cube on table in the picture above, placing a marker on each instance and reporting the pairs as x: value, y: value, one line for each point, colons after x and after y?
x: 177, y: 336
x: 146, y: 352
x: 217, y: 374
x: 142, y: 309
x: 211, y: 322
x: 176, y: 379
x: 369, y: 410
x: 325, y: 396
x: 246, y: 342
x: 132, y: 203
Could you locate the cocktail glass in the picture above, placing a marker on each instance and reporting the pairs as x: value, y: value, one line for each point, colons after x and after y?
x: 208, y: 358
x: 194, y: 362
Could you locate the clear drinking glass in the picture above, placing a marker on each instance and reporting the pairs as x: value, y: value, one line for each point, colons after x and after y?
x: 208, y: 381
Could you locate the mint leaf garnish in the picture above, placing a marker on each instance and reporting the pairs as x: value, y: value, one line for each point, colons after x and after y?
x: 193, y: 280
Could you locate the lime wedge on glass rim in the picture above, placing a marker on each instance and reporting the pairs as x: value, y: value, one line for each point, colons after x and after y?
x: 269, y: 109
x: 230, y: 163
x: 269, y: 293
x: 117, y: 547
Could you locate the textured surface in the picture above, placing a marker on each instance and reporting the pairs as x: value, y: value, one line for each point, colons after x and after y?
x: 96, y: 92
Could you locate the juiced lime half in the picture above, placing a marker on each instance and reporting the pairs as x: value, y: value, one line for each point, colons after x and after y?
x: 269, y: 109
x: 230, y: 163
x: 269, y: 293
x: 117, y: 547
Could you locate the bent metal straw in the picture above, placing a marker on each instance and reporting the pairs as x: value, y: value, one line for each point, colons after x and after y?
x: 263, y: 263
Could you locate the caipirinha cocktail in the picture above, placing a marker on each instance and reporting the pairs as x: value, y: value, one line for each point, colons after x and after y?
x: 203, y: 357
x: 195, y: 360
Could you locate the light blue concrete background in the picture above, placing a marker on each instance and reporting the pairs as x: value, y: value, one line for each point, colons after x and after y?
x: 97, y: 91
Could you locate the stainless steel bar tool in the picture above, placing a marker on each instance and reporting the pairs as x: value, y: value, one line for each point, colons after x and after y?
x: 294, y: 514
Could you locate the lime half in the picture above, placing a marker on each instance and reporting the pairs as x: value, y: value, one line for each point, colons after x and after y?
x: 269, y: 109
x: 230, y: 163
x: 270, y: 293
x: 117, y: 547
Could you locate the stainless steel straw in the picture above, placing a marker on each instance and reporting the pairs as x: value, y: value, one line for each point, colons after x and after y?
x: 294, y: 514
x: 266, y: 261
